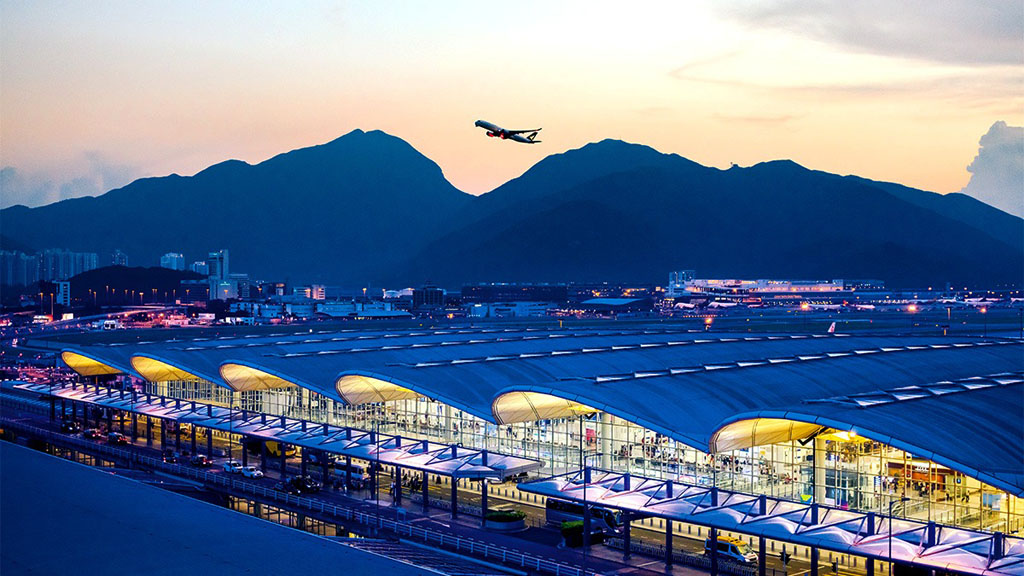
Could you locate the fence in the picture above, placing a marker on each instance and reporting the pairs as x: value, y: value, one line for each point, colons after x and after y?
x: 456, y: 543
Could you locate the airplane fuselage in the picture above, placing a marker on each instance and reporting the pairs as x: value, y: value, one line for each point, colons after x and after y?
x: 495, y: 131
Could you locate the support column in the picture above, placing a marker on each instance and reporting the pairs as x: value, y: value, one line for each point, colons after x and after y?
x: 455, y: 497
x: 192, y: 428
x: 348, y: 472
x: 586, y: 510
x: 484, y: 489
x: 819, y: 455
x: 869, y: 562
x: 713, y: 544
x: 668, y: 529
x: 245, y: 453
x: 135, y: 426
x: 304, y: 461
x: 627, y: 535
x: 397, y: 496
x: 426, y: 491
x: 284, y: 458
x: 263, y: 457
x: 814, y: 549
x: 177, y: 436
x: 209, y: 442
x: 149, y: 431
x: 605, y: 429
x: 713, y: 536
x: 110, y: 420
x: 762, y: 543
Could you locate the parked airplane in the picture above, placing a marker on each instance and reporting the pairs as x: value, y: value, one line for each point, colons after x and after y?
x: 495, y: 131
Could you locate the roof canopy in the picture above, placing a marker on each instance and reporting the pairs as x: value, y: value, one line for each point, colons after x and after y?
x: 913, y: 392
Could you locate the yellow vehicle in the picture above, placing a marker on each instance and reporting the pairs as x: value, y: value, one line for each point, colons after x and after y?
x: 274, y: 449
x: 732, y: 549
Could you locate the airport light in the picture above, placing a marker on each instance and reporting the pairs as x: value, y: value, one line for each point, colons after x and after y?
x: 805, y: 306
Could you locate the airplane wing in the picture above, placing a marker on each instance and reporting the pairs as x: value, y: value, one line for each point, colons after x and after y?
x: 523, y: 131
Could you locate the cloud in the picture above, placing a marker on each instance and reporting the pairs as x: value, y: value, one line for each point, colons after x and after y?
x: 90, y: 175
x: 961, y: 32
x: 997, y: 172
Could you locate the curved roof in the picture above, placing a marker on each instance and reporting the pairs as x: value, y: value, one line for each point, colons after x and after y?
x: 683, y: 384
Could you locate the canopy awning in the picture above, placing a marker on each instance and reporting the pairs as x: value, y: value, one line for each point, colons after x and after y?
x: 423, y: 455
x: 923, y: 544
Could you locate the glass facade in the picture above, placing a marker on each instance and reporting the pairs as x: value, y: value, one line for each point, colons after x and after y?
x: 835, y: 468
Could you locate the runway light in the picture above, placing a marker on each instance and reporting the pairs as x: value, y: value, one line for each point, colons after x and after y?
x: 805, y: 306
x: 709, y: 320
x: 912, y: 308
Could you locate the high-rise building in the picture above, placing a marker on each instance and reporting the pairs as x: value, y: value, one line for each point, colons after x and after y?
x: 118, y: 258
x: 63, y: 264
x: 218, y: 264
x: 429, y: 297
x: 317, y: 292
x: 200, y: 267
x: 173, y: 261
x: 18, y: 269
x: 64, y: 293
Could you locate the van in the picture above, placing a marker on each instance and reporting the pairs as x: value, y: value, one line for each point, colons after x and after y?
x: 558, y: 511
x: 359, y: 480
x: 732, y: 549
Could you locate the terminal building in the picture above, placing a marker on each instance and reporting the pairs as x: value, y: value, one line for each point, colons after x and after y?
x: 927, y: 428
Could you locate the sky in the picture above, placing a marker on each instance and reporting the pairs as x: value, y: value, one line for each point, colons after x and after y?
x: 96, y: 94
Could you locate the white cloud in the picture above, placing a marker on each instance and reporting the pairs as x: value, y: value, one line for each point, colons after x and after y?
x: 90, y: 175
x: 997, y: 172
x: 947, y: 31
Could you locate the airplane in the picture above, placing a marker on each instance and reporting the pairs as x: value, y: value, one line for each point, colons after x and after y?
x: 498, y: 132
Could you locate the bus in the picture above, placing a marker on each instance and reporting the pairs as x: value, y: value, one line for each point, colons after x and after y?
x: 558, y: 511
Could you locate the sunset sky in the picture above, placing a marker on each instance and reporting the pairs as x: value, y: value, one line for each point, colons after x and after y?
x: 96, y: 94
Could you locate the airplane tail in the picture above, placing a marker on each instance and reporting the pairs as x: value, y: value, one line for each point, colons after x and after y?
x: 532, y: 136
x: 832, y: 328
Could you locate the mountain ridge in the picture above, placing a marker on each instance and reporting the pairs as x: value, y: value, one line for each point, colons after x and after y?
x: 367, y: 207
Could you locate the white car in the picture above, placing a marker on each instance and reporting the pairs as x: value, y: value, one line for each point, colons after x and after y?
x: 232, y: 466
x: 252, y: 472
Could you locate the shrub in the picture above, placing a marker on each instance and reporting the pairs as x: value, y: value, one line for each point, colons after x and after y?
x: 505, y: 515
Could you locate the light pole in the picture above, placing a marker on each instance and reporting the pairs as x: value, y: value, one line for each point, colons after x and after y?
x: 891, y: 502
x: 984, y: 315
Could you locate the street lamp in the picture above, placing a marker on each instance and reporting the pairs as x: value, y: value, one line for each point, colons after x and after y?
x: 891, y: 502
x: 984, y: 314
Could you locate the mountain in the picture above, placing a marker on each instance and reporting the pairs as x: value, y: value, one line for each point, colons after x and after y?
x: 368, y: 208
x: 123, y: 285
x: 653, y: 212
x: 331, y: 212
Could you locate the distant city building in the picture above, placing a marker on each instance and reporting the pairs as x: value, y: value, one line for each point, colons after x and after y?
x: 218, y: 264
x: 518, y: 309
x: 677, y: 282
x: 502, y: 292
x: 200, y: 267
x: 191, y: 291
x: 684, y: 284
x: 242, y: 284
x: 63, y: 264
x: 173, y: 261
x: 63, y: 293
x: 220, y: 288
x: 317, y: 292
x: 427, y: 298
x: 18, y: 269
x: 118, y: 258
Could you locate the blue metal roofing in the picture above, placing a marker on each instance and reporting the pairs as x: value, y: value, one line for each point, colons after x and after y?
x: 680, y: 383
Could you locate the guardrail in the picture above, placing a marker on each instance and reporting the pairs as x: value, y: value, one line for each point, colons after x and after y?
x: 442, y: 504
x: 456, y: 543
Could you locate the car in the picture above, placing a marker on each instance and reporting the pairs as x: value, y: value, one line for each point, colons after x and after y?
x: 232, y: 466
x: 252, y: 472
x: 200, y: 461
x: 92, y: 433
x: 299, y: 485
x: 70, y: 427
x: 117, y: 438
x: 170, y: 456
